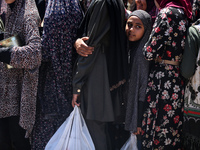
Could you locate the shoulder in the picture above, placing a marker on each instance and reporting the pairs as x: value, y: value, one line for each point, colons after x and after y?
x: 31, y: 12
x: 195, y: 28
x: 172, y: 12
x: 32, y: 16
x: 97, y: 2
x: 194, y: 32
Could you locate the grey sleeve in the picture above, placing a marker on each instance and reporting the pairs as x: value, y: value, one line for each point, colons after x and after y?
x: 188, y: 64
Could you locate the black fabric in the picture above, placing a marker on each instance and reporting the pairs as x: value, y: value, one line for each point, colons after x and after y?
x: 91, y: 74
x: 98, y: 132
x: 191, y: 133
x: 5, y: 54
x: 140, y: 113
x: 117, y: 60
x: 1, y: 37
x: 41, y: 7
x: 132, y: 48
x: 150, y: 5
x: 12, y: 5
x: 12, y: 135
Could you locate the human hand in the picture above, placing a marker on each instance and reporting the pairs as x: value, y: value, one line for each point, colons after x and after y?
x: 75, y: 99
x: 139, y: 130
x: 82, y: 48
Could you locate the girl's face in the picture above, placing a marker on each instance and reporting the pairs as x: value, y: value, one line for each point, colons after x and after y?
x: 134, y: 29
x: 9, y: 1
x: 141, y: 4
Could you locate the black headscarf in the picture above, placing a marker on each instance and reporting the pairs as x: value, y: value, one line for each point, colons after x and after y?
x: 117, y: 60
x: 138, y: 74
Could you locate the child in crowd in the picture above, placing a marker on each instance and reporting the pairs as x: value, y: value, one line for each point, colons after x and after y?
x: 138, y: 29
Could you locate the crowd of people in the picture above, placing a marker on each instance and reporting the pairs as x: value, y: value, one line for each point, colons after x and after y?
x: 132, y: 66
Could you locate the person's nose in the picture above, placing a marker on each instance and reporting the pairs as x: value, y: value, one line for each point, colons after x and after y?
x: 132, y: 29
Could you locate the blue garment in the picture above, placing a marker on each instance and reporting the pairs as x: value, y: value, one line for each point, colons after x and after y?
x: 61, y: 20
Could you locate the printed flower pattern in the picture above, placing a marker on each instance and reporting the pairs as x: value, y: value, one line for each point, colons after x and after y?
x: 162, y: 122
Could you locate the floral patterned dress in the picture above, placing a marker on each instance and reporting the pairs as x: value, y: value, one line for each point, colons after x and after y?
x: 163, y: 115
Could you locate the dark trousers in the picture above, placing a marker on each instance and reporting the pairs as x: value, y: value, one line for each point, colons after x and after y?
x: 12, y: 136
x: 98, y: 132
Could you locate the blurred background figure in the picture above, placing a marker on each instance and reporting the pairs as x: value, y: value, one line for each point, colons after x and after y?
x: 195, y: 10
x: 130, y: 5
x: 147, y: 5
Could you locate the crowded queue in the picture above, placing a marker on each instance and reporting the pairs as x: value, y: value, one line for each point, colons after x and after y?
x: 132, y: 67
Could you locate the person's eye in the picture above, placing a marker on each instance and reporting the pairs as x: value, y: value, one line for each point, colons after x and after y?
x: 138, y: 27
x: 129, y: 24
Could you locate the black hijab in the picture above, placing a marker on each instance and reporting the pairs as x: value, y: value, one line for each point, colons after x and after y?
x: 117, y: 60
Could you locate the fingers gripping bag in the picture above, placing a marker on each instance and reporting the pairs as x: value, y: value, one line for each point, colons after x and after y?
x: 73, y: 134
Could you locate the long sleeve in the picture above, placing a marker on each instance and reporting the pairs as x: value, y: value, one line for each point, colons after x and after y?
x: 190, y: 53
x: 29, y: 55
x: 155, y: 43
x: 98, y: 27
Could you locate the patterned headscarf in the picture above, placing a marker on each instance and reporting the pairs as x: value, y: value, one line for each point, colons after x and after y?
x: 184, y: 4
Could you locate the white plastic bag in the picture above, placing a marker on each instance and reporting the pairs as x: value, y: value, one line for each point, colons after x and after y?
x: 131, y: 143
x: 72, y: 134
